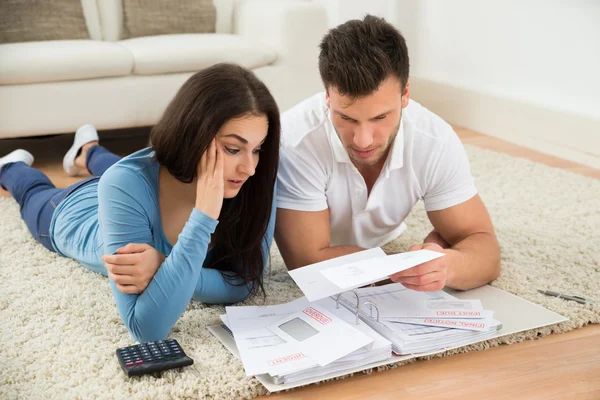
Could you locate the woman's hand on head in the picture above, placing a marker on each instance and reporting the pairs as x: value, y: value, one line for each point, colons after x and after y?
x: 210, y: 185
x: 133, y: 267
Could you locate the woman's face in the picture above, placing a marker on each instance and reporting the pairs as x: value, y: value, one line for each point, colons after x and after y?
x: 240, y: 140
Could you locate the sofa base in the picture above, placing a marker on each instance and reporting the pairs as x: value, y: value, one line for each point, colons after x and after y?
x: 123, y: 102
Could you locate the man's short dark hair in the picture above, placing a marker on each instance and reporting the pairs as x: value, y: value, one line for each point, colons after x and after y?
x: 357, y: 56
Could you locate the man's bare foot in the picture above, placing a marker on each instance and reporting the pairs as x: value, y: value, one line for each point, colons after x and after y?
x: 80, y: 160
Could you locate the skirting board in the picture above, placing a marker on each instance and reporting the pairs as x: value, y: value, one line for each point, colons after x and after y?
x: 569, y: 136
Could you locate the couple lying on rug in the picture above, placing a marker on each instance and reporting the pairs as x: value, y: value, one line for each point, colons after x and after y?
x: 193, y: 215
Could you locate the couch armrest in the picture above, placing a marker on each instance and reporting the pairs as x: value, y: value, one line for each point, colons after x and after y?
x: 293, y: 29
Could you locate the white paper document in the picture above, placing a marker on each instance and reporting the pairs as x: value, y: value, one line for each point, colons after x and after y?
x: 315, y: 286
x: 441, y: 314
x: 480, y: 325
x: 395, y: 300
x: 264, y: 352
x: 261, y: 350
x: 352, y: 275
x: 409, y: 336
x: 319, y: 334
x: 337, y: 275
x: 393, y: 310
x: 454, y: 304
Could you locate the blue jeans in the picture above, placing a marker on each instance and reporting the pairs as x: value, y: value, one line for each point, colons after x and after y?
x: 38, y: 197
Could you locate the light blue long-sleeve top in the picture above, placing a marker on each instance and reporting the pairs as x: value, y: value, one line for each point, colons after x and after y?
x: 121, y: 208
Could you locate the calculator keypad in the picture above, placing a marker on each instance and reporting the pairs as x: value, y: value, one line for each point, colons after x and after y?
x: 152, y: 356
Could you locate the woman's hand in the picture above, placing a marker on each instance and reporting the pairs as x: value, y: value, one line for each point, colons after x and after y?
x: 133, y: 267
x: 210, y: 185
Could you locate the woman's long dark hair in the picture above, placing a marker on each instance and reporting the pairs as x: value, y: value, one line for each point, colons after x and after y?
x: 205, y: 102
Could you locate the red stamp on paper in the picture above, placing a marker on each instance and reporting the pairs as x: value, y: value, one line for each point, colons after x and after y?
x: 286, y: 359
x: 455, y: 323
x: 317, y: 316
x: 459, y: 313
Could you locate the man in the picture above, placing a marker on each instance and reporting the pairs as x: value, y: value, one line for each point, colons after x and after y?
x: 356, y: 159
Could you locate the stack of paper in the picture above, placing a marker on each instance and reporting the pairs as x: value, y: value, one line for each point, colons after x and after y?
x: 412, y: 321
x: 417, y: 322
x: 530, y: 316
x: 340, y: 326
x: 432, y: 309
x: 300, y: 340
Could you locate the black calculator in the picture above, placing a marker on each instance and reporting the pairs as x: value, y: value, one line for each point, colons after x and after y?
x: 149, y: 357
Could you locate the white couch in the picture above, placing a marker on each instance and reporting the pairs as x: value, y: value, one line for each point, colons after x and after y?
x: 56, y: 86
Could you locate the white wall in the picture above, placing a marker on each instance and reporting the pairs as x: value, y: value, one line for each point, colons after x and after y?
x: 545, y: 52
x: 526, y: 71
x: 340, y: 11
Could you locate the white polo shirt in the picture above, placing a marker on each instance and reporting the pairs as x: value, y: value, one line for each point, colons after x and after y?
x: 427, y: 162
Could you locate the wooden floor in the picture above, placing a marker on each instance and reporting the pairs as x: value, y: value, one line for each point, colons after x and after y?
x: 563, y: 366
x: 555, y: 367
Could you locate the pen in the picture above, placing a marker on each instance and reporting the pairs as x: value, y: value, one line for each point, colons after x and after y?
x: 578, y: 299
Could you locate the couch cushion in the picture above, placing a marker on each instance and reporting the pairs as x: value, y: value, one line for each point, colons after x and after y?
x: 35, y: 20
x: 92, y: 18
x: 159, y: 17
x: 224, y: 9
x: 193, y: 52
x: 64, y: 60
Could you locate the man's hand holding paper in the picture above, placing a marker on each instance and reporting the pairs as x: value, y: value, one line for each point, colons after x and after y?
x: 429, y: 276
x: 338, y: 275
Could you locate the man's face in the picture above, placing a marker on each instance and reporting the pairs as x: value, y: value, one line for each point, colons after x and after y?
x: 368, y: 126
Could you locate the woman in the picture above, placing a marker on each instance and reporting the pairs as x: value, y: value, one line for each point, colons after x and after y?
x: 198, y: 195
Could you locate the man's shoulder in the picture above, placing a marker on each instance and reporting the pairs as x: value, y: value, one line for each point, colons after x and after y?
x: 306, y: 121
x: 429, y: 139
x: 425, y: 126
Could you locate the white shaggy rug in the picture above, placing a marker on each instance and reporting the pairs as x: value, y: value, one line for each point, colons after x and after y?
x: 59, y: 327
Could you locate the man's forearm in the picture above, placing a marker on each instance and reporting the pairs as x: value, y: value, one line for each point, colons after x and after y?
x: 473, y: 262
